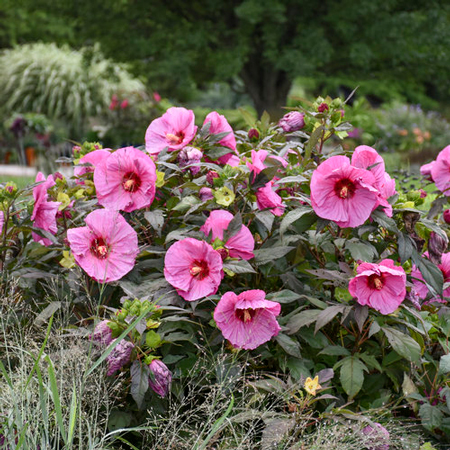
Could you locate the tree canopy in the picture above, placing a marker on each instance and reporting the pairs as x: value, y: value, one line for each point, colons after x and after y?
x: 267, y: 43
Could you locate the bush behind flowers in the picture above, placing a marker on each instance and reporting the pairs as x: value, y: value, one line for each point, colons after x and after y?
x: 277, y: 246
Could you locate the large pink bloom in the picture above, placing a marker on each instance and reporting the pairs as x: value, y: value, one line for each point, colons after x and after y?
x: 173, y: 130
x: 256, y: 165
x: 44, y: 212
x: 343, y: 193
x: 240, y: 245
x: 106, y: 248
x: 266, y: 197
x: 380, y: 286
x: 247, y: 320
x: 419, y: 283
x: 219, y: 124
x: 425, y: 170
x: 440, y: 171
x: 126, y: 180
x: 193, y: 268
x: 94, y: 158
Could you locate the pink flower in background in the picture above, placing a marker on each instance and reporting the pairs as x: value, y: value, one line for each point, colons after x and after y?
x: 380, y: 286
x: 247, y: 320
x: 160, y: 377
x: 126, y: 180
x: 219, y: 124
x: 2, y: 221
x: 44, y: 212
x: 102, y: 334
x: 156, y: 97
x: 440, y: 171
x: 94, y: 158
x: 378, y: 437
x: 267, y: 198
x: 193, y: 268
x: 173, y: 130
x: 419, y: 282
x: 343, y: 193
x: 190, y: 155
x: 425, y: 170
x: 240, y: 245
x: 125, y: 103
x: 106, y: 248
x: 292, y: 121
x: 114, y: 102
x: 119, y: 357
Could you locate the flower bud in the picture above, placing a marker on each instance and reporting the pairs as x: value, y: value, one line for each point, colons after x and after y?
x: 437, y: 244
x: 323, y: 107
x: 160, y: 377
x: 376, y: 437
x: 447, y: 216
x: 120, y: 356
x: 102, y: 334
x: 205, y: 194
x: 423, y: 194
x: 253, y: 134
x: 210, y: 176
x: 190, y: 155
x: 124, y: 104
x: 292, y: 121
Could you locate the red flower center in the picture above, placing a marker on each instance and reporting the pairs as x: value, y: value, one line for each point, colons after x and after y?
x: 199, y: 269
x: 376, y: 282
x: 131, y: 182
x: 245, y: 315
x: 344, y: 188
x: 175, y: 139
x: 99, y: 248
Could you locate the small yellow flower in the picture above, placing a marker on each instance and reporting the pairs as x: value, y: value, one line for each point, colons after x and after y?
x: 311, y: 385
x: 64, y: 199
x: 68, y: 260
x: 159, y: 179
x: 224, y: 196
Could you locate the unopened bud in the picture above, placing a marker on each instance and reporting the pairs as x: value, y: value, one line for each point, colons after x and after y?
x: 210, y: 176
x: 205, y: 194
x: 120, y: 356
x: 253, y: 134
x: 160, y: 377
x: 447, y: 216
x: 102, y: 334
x: 292, y: 121
x: 437, y: 244
x: 323, y: 107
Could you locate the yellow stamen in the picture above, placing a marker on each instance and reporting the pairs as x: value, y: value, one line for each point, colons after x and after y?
x: 344, y: 192
x: 173, y: 138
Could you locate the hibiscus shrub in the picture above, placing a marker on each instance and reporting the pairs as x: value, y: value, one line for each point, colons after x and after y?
x: 273, y: 240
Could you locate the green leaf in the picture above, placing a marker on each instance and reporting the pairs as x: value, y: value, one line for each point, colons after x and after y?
x: 233, y: 227
x: 403, y: 344
x: 293, y: 216
x: 313, y: 140
x: 139, y: 382
x: 118, y: 419
x: 263, y: 177
x: 431, y: 274
x: 302, y: 319
x: 249, y: 118
x: 335, y: 350
x: 290, y: 346
x: 361, y: 250
x: 284, y: 296
x: 384, y: 221
x: 265, y: 255
x: 266, y: 218
x: 352, y: 375
x: 152, y: 339
x: 187, y: 203
x: 156, y: 219
x: 241, y: 266
x: 444, y: 364
x: 406, y: 247
x: 327, y: 315
x: 431, y: 416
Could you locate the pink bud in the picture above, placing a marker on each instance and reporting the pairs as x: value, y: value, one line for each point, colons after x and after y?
x: 102, y: 333
x: 437, y: 244
x: 156, y: 97
x: 423, y: 194
x: 323, y: 107
x: 190, y: 155
x: 119, y: 357
x: 160, y: 377
x: 58, y: 176
x: 253, y: 133
x: 205, y: 194
x: 342, y: 113
x: 292, y: 121
x: 124, y: 104
x: 447, y: 216
x: 210, y: 177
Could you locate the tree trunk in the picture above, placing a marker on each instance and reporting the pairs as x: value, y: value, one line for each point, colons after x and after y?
x: 267, y: 86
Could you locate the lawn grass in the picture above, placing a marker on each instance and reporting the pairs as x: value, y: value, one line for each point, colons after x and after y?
x: 21, y: 181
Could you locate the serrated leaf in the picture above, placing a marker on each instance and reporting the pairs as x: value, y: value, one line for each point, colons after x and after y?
x: 302, y: 319
x: 290, y: 345
x: 266, y: 218
x: 291, y: 179
x: 403, y: 344
x: 431, y: 416
x: 263, y: 177
x: 431, y: 274
x: 187, y: 203
x: 352, y: 375
x: 313, y: 140
x: 233, y: 227
x: 361, y: 313
x: 139, y: 382
x: 327, y: 315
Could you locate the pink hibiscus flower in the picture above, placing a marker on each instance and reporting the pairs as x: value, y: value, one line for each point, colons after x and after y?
x: 247, y: 320
x: 193, y: 268
x: 440, y: 171
x: 2, y: 221
x: 380, y: 286
x: 106, y: 248
x: 256, y: 165
x: 419, y: 282
x: 44, y: 212
x: 240, y: 245
x: 125, y: 180
x: 219, y: 124
x: 94, y: 158
x: 343, y: 193
x: 266, y: 197
x: 173, y: 130
x: 425, y: 170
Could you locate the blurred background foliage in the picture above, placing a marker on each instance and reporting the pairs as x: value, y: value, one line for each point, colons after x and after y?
x: 104, y: 70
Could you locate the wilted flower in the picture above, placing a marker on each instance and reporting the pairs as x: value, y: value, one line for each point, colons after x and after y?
x: 119, y: 357
x: 219, y: 124
x: 173, y: 130
x: 160, y: 377
x: 205, y: 194
x: 437, y: 244
x: 292, y: 121
x: 102, y: 334
x: 44, y: 212
x: 378, y: 437
x: 267, y: 198
x: 240, y: 245
x: 380, y: 286
x: 126, y: 180
x: 193, y: 268
x: 106, y: 248
x: 343, y: 193
x: 247, y: 320
x: 188, y: 156
x: 440, y: 171
x: 92, y: 159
